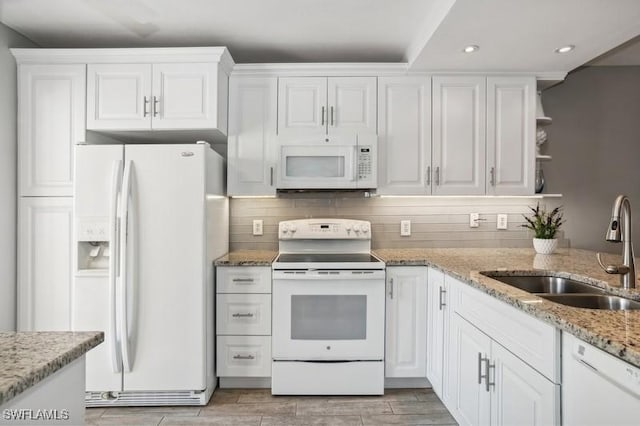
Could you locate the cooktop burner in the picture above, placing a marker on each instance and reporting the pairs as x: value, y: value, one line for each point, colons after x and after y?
x: 326, y: 257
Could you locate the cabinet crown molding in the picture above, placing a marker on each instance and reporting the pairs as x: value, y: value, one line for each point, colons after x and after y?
x: 220, y: 55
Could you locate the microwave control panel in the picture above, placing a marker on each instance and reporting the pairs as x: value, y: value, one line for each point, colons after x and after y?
x: 365, y: 161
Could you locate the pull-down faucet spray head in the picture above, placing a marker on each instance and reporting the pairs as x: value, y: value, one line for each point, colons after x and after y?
x: 613, y: 232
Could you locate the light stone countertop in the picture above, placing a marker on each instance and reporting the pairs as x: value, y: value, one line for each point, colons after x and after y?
x: 26, y: 358
x: 247, y: 258
x: 616, y: 332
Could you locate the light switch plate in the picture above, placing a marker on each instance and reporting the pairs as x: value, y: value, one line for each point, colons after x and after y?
x: 405, y: 228
x: 473, y: 220
x: 257, y: 227
x: 502, y: 222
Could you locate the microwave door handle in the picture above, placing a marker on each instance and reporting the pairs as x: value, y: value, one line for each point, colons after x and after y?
x: 355, y: 164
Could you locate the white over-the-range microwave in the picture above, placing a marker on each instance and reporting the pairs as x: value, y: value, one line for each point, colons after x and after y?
x: 327, y: 162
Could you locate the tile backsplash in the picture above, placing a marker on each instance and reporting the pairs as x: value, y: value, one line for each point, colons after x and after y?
x: 435, y: 221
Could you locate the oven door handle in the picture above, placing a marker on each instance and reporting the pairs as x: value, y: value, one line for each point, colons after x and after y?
x: 315, y: 274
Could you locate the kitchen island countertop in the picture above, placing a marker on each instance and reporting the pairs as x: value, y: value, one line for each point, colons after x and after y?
x: 26, y: 358
x: 616, y: 332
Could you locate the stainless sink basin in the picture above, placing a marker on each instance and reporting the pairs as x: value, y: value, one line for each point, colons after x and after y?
x: 546, y: 284
x: 593, y: 301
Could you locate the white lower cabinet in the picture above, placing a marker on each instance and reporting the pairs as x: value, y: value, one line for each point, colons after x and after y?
x: 494, y: 387
x: 44, y: 263
x: 243, y: 322
x: 406, y: 342
x: 437, y: 330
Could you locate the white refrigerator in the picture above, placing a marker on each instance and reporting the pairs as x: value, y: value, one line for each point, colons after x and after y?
x: 149, y: 221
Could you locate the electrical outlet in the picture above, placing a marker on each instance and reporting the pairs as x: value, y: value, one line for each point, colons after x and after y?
x: 405, y: 228
x: 502, y: 222
x: 473, y: 220
x: 257, y: 227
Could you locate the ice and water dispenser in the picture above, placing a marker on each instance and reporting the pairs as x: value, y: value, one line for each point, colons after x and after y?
x: 94, y: 250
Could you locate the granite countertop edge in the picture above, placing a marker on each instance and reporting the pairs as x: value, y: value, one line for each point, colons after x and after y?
x: 19, y: 382
x: 247, y: 258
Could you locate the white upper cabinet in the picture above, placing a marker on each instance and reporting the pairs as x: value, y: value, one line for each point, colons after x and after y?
x: 165, y: 96
x: 511, y: 135
x: 404, y: 141
x: 459, y: 136
x: 252, y: 130
x: 317, y: 106
x: 51, y: 120
x: 119, y: 97
x: 406, y: 341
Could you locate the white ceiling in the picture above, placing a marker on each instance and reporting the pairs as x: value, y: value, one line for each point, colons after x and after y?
x: 513, y: 35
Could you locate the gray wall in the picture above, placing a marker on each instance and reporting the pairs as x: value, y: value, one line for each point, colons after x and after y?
x: 435, y: 221
x: 8, y: 161
x: 595, y: 144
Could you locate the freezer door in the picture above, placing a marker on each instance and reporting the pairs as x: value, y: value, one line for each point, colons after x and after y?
x: 96, y: 186
x: 165, y: 289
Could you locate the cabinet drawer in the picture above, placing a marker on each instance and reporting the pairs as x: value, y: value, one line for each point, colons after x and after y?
x: 244, y: 356
x: 535, y: 342
x: 244, y: 279
x: 248, y: 314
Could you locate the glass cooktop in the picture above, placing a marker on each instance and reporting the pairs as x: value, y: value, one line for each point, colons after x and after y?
x: 326, y: 257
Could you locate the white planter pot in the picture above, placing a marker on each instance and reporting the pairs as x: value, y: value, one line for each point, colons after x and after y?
x: 545, y: 246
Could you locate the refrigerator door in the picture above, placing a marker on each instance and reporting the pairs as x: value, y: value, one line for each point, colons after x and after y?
x: 97, y: 185
x: 165, y: 266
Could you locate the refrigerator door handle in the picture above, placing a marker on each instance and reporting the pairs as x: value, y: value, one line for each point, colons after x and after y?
x: 114, y: 343
x: 125, y: 267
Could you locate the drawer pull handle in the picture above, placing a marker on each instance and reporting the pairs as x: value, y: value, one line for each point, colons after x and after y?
x: 247, y: 315
x: 244, y: 357
x: 242, y: 280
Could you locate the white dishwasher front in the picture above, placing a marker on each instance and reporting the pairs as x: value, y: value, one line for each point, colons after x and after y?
x: 597, y: 388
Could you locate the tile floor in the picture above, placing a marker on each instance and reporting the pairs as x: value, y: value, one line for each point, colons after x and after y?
x: 259, y: 407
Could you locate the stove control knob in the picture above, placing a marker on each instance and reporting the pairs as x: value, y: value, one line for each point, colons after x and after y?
x: 293, y: 228
x: 356, y: 228
x: 365, y: 228
x: 347, y: 227
x: 285, y: 228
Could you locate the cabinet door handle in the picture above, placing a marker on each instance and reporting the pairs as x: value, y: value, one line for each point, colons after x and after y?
x: 242, y: 280
x: 244, y: 357
x: 145, y: 110
x: 332, y: 116
x: 271, y: 176
x: 482, y: 360
x: 428, y: 175
x: 492, y: 176
x: 438, y: 176
x: 322, y: 117
x: 490, y: 367
x: 156, y: 106
x: 239, y: 315
x: 441, y: 298
x: 391, y: 288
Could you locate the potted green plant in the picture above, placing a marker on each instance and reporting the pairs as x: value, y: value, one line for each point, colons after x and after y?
x: 544, y: 225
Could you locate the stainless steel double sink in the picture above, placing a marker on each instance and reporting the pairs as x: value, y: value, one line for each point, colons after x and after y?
x: 565, y: 291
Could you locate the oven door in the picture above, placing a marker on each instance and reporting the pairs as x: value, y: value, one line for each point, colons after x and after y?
x: 317, y: 166
x: 328, y: 315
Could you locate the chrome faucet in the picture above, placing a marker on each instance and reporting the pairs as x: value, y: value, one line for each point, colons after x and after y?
x: 616, y: 233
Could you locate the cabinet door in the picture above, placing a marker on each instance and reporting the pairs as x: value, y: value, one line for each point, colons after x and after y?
x: 470, y: 401
x: 404, y: 141
x: 51, y: 121
x: 44, y: 263
x: 119, y: 97
x: 352, y: 105
x: 436, y: 312
x: 251, y: 152
x: 184, y: 96
x: 511, y: 135
x: 519, y: 394
x: 459, y: 139
x: 302, y: 106
x: 406, y: 342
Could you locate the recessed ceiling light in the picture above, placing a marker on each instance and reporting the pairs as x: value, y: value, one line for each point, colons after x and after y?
x: 565, y: 49
x: 471, y: 48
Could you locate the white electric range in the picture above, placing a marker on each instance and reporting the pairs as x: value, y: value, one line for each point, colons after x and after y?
x: 328, y: 310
